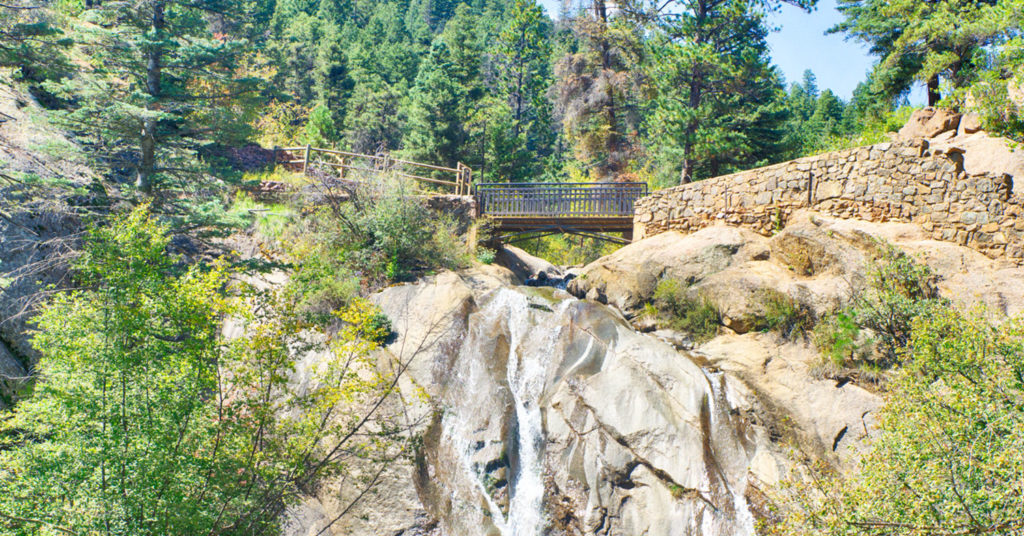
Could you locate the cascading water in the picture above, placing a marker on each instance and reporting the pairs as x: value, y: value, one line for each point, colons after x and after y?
x: 547, y: 388
x: 527, y: 345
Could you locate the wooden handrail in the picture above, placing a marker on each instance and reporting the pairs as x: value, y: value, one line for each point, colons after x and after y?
x: 463, y: 174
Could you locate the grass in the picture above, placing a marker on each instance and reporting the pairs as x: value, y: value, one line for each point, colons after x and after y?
x: 270, y: 219
x: 781, y: 314
x: 677, y: 309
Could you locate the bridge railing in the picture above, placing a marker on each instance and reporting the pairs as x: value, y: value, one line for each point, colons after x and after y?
x: 458, y: 179
x: 558, y: 199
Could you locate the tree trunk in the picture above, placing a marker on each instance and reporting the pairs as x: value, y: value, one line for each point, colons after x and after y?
x: 933, y: 91
x: 147, y: 144
x: 696, y: 96
x: 612, y: 165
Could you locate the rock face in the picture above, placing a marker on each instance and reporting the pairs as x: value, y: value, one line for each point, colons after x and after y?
x: 545, y: 414
x: 557, y: 405
x: 525, y: 266
x: 930, y: 122
x: 36, y: 230
x: 815, y: 259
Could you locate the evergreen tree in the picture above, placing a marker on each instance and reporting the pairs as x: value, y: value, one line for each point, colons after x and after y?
x: 32, y: 42
x: 435, y: 108
x: 928, y: 41
x: 716, y: 93
x: 598, y: 89
x: 829, y: 114
x: 372, y: 122
x: 160, y: 79
x: 521, y: 55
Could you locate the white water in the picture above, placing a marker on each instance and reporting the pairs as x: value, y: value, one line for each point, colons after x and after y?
x: 531, y: 346
x: 518, y: 351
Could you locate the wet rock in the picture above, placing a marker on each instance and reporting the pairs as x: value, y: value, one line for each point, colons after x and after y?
x: 525, y: 266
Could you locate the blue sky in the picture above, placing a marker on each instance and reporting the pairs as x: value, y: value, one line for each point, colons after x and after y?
x: 801, y: 43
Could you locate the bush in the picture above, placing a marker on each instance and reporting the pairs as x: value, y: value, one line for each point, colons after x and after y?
x: 377, y: 236
x: 876, y: 326
x: 948, y: 457
x: 485, y: 255
x: 841, y: 341
x: 147, y: 420
x: 696, y: 316
x: 782, y: 314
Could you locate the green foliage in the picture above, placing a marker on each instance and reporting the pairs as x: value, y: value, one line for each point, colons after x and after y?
x: 156, y: 84
x: 568, y: 250
x: 990, y: 95
x: 897, y: 291
x: 841, y: 341
x: 32, y: 42
x: 271, y: 220
x: 147, y: 420
x: 320, y: 130
x: 382, y: 235
x: 717, y: 103
x: 949, y: 456
x: 928, y: 42
x: 781, y: 314
x: 679, y: 311
x: 485, y: 255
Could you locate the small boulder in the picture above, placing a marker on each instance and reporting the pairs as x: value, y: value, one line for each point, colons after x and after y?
x: 969, y: 124
x: 930, y: 122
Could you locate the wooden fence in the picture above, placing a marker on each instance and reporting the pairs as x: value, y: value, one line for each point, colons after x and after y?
x: 306, y: 158
x: 558, y: 200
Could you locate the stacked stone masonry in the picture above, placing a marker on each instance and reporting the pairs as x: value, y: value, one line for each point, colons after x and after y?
x: 900, y: 181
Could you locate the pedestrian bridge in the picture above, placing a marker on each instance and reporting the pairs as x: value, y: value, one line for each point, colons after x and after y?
x: 519, y: 211
x: 529, y: 210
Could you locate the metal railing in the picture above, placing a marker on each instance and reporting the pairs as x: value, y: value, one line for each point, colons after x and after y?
x: 554, y: 200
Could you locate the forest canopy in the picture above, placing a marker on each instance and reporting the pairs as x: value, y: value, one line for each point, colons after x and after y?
x: 661, y: 92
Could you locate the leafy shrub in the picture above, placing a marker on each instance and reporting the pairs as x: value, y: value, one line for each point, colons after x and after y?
x: 485, y: 255
x: 880, y: 317
x: 696, y: 316
x: 841, y: 340
x: 782, y: 314
x: 379, y: 235
x: 146, y: 420
x: 948, y: 457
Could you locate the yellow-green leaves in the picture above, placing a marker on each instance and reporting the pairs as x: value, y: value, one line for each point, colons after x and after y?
x: 173, y: 401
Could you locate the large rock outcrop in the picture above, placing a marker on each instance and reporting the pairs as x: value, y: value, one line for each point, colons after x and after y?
x: 817, y: 260
x: 537, y: 410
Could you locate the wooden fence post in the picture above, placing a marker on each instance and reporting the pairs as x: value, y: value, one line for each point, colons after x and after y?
x: 305, y: 162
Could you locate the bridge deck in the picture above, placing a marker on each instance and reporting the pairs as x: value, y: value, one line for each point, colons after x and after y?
x: 573, y: 208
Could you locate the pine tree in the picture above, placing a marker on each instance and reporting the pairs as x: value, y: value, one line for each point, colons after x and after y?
x: 372, y: 122
x: 598, y: 90
x: 32, y: 42
x: 521, y: 56
x: 929, y: 42
x: 436, y: 120
x: 160, y: 80
x: 718, y: 100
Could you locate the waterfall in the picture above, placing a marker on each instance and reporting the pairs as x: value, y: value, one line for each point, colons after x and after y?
x: 533, y: 358
x: 531, y: 345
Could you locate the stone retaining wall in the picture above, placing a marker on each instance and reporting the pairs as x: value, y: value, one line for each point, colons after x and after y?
x: 900, y: 181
